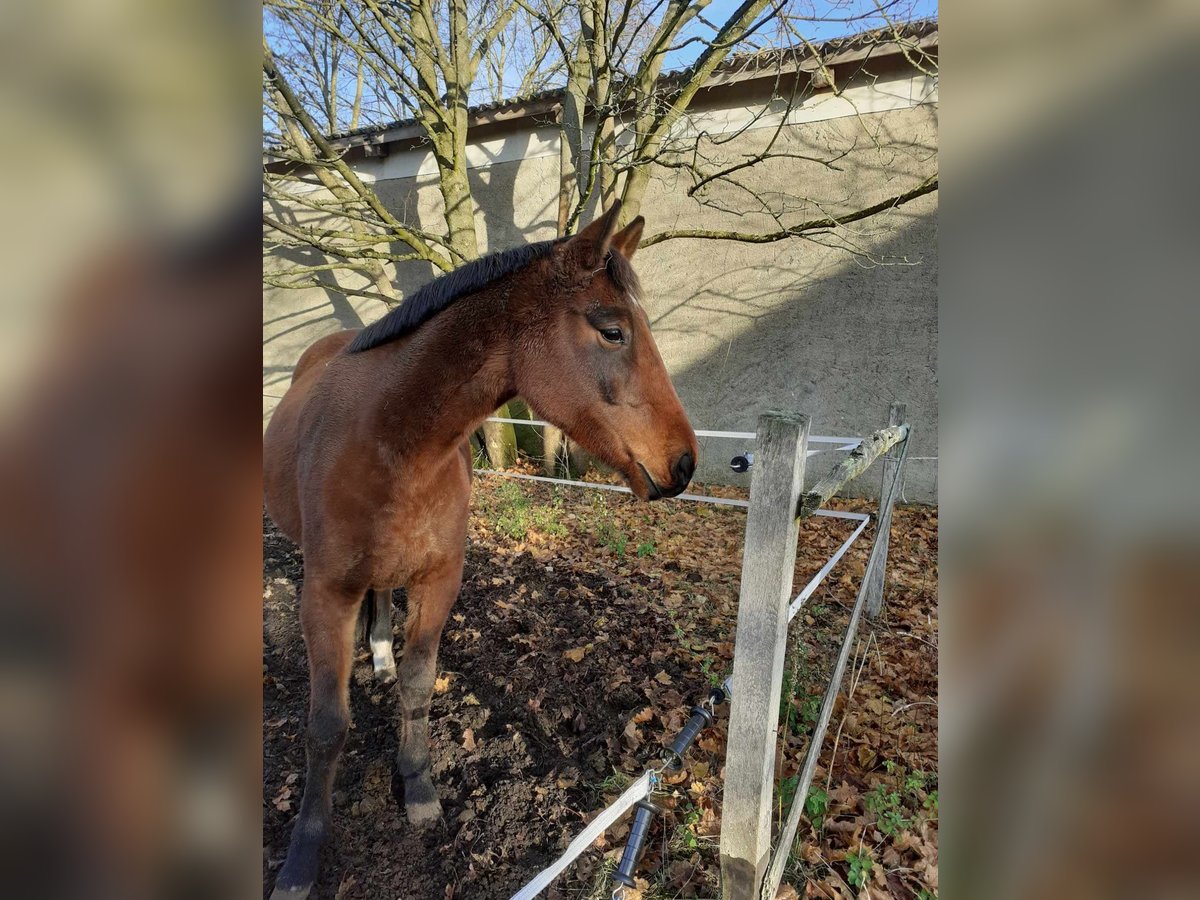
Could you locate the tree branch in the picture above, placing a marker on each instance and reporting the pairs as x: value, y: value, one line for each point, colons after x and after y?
x: 926, y: 187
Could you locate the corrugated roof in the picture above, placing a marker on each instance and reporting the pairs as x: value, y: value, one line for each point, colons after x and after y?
x: 738, y: 62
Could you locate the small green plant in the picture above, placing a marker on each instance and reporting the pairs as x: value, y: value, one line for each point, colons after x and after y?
x: 810, y: 710
x: 546, y: 518
x: 797, y: 718
x: 816, y: 806
x: 860, y: 867
x: 511, y: 513
x: 613, y: 538
x: 687, y: 831
x: 920, y: 783
x: 931, y: 804
x: 926, y: 894
x: 646, y: 548
x: 888, y: 810
x: 706, y: 666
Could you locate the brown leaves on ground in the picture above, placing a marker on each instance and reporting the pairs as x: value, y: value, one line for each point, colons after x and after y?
x: 588, y: 625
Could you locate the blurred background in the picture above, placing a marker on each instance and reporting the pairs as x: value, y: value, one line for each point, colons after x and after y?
x: 130, y: 560
x: 130, y: 638
x: 1069, y: 517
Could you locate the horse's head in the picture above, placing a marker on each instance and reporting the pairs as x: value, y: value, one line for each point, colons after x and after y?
x: 587, y: 362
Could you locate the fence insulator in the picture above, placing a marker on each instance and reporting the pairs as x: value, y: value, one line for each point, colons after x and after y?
x: 701, y: 719
x: 741, y: 464
x: 636, y: 843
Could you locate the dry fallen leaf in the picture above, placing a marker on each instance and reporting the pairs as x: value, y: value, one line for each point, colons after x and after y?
x: 281, y: 800
x: 626, y: 606
x: 469, y: 740
x: 345, y: 887
x: 632, y: 736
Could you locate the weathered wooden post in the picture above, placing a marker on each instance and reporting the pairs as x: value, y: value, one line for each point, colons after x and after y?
x: 758, y: 657
x: 875, y: 577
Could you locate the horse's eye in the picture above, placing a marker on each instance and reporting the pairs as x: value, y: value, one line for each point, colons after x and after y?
x: 612, y: 335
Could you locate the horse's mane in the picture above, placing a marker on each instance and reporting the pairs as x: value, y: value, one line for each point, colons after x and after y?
x: 430, y: 299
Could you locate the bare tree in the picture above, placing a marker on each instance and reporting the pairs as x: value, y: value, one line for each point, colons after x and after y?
x: 429, y: 53
x: 332, y: 66
x: 622, y: 112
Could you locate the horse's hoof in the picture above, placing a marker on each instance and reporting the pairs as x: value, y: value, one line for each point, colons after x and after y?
x: 385, y: 676
x: 297, y: 893
x: 424, y: 815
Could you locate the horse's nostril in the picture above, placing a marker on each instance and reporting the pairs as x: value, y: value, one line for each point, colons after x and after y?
x: 683, y: 469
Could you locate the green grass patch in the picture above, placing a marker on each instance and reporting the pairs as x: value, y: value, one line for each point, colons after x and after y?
x: 515, y: 514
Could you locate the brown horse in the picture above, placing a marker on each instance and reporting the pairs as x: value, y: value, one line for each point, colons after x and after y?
x: 368, y: 467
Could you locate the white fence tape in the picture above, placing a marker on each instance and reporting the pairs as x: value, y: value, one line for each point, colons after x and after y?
x: 643, y: 786
x: 619, y: 488
x: 825, y: 569
x: 635, y: 792
x: 862, y: 519
x: 850, y: 442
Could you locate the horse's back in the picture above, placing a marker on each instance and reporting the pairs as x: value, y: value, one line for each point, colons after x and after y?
x: 321, y: 351
x: 281, y: 441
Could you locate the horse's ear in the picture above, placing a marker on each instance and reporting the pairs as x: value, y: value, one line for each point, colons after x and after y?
x: 627, y: 239
x: 591, y: 245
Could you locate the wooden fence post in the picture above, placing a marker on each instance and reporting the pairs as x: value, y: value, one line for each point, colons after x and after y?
x: 776, y: 483
x: 875, y: 577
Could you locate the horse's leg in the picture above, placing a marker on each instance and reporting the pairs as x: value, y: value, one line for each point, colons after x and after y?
x: 430, y: 596
x: 328, y: 621
x: 381, y: 635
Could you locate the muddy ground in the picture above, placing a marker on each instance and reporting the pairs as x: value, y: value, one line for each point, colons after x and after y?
x: 587, y: 624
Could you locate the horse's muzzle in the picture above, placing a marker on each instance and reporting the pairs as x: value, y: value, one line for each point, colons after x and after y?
x: 681, y: 474
x: 682, y: 471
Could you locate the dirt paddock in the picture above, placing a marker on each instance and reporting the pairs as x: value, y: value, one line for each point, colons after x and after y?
x: 588, y: 623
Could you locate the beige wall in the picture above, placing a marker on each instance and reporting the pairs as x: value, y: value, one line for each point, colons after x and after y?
x: 836, y: 325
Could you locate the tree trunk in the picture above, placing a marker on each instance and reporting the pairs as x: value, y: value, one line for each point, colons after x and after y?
x: 636, y: 182
x: 499, y: 438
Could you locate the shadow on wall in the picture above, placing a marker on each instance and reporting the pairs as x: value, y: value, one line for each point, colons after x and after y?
x: 801, y: 325
x: 516, y: 202
x: 333, y: 303
x: 838, y: 342
x: 340, y: 309
x: 831, y: 337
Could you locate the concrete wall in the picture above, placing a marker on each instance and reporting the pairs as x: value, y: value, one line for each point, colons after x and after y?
x: 837, y: 325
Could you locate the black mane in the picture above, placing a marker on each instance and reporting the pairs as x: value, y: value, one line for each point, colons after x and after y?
x: 430, y: 299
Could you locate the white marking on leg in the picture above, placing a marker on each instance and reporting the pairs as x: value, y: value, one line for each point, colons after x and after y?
x: 382, y: 656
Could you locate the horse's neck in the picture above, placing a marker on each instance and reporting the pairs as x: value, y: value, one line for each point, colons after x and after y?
x: 444, y: 380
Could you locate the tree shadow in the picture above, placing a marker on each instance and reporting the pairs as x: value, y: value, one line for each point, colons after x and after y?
x: 829, y: 338
x: 811, y: 324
